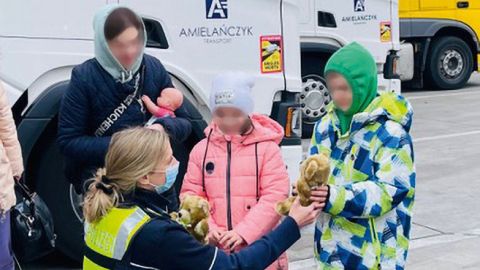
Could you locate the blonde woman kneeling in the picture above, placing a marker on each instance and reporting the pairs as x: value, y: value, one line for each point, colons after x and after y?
x: 127, y: 223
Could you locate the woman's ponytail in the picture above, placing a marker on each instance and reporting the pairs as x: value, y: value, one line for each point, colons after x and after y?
x: 102, y: 196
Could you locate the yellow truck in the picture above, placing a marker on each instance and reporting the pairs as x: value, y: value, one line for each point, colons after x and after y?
x: 445, y: 35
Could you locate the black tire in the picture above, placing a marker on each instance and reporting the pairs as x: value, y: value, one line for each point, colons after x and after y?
x: 449, y: 64
x: 312, y: 68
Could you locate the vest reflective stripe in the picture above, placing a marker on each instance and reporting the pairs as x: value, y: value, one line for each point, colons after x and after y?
x: 111, y: 235
x: 129, y: 227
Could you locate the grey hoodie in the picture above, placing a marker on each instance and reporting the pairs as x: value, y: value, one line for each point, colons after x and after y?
x: 104, y: 55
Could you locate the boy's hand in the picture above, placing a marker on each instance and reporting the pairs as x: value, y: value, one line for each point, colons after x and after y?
x: 231, y: 240
x: 320, y: 194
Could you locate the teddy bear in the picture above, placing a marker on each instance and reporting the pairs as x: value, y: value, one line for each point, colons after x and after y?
x: 314, y: 172
x: 170, y: 99
x: 193, y: 215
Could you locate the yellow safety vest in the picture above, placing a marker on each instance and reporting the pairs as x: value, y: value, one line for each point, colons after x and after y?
x: 108, y: 239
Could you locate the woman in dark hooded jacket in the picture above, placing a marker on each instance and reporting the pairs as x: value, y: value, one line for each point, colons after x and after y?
x: 104, y: 94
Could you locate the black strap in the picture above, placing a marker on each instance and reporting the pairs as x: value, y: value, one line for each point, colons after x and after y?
x: 24, y: 191
x: 100, y: 259
x: 204, y: 160
x: 129, y: 99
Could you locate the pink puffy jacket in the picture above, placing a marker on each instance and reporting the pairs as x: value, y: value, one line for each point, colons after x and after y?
x: 11, y: 163
x: 230, y: 173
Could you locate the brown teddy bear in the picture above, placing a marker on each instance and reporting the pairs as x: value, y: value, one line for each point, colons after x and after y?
x: 314, y: 172
x: 193, y: 215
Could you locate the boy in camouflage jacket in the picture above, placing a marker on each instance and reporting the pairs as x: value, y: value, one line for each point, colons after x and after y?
x: 367, y: 218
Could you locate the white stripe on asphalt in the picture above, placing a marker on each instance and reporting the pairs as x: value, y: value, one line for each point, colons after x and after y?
x: 442, y: 95
x: 446, y: 136
x: 440, y: 239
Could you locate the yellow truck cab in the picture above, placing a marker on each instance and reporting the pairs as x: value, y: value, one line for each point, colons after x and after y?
x: 445, y: 39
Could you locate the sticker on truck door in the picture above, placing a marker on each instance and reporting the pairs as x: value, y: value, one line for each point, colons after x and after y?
x: 385, y: 31
x: 271, y: 51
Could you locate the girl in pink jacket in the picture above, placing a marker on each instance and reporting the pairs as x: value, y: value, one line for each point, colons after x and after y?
x: 238, y: 167
x: 11, y: 167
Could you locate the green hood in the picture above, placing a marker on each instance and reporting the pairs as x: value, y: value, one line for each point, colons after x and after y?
x: 102, y: 51
x: 358, y: 67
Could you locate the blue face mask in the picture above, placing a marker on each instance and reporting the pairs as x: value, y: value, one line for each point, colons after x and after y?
x: 170, y: 177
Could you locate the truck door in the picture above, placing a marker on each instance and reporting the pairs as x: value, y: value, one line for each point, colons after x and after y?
x: 437, y: 5
x: 407, y: 6
x: 468, y: 12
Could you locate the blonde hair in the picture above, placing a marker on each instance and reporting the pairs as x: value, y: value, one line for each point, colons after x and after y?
x: 132, y: 154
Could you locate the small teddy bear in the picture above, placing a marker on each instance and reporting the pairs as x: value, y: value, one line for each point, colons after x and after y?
x: 314, y: 172
x: 170, y: 99
x: 193, y: 215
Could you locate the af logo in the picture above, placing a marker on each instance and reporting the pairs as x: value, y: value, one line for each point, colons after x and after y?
x: 216, y: 9
x: 359, y: 5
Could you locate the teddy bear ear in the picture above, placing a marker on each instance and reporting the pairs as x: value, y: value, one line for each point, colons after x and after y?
x: 311, y: 168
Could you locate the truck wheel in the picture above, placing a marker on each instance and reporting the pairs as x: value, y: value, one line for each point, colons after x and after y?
x: 314, y: 96
x: 48, y: 177
x: 449, y: 64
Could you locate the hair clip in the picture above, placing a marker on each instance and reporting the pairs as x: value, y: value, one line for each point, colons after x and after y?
x: 104, y: 188
x: 106, y: 180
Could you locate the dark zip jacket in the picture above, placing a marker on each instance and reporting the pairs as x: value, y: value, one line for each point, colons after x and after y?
x: 92, y: 95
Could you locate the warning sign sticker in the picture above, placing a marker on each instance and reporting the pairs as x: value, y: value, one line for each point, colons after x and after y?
x: 271, y: 50
x: 385, y: 31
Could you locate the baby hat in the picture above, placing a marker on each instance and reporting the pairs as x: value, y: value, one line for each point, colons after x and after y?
x: 232, y: 89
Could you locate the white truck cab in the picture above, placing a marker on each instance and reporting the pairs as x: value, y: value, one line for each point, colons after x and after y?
x: 327, y: 26
x: 41, y: 41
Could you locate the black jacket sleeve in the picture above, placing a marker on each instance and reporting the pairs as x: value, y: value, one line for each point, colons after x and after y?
x: 73, y: 138
x: 179, y: 128
x: 174, y: 248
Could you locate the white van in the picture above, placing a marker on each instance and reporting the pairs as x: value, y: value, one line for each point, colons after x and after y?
x: 41, y: 41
